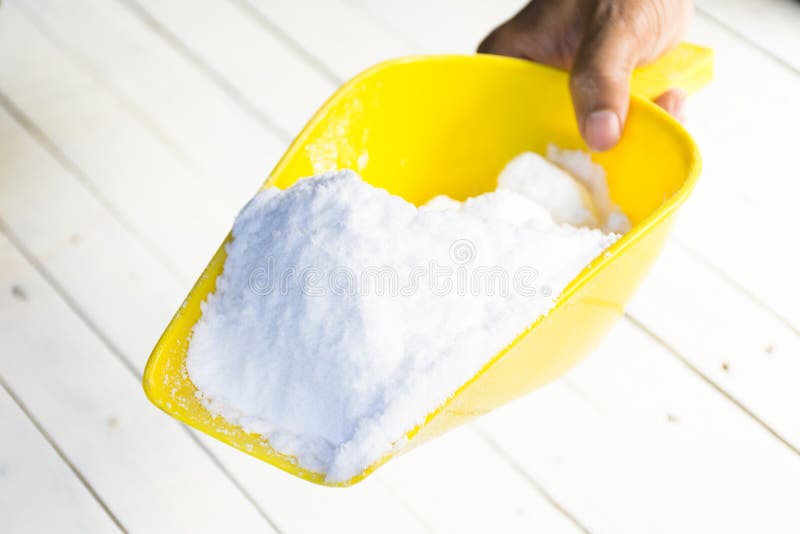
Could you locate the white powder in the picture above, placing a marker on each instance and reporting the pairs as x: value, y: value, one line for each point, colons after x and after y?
x: 593, y: 178
x: 567, y: 200
x: 302, y: 344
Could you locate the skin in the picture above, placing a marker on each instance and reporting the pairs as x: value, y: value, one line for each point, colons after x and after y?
x: 600, y: 42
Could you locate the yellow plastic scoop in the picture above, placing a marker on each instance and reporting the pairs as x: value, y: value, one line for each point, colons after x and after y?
x: 425, y: 126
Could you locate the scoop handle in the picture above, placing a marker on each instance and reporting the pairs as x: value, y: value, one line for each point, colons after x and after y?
x: 687, y: 67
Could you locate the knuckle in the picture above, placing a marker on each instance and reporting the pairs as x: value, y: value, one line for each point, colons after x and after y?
x: 500, y: 41
x: 599, y: 77
x: 496, y: 42
x: 598, y: 87
x: 583, y: 81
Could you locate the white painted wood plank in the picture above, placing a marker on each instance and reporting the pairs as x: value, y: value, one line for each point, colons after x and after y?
x: 299, y: 506
x: 771, y: 24
x: 120, y: 158
x: 741, y: 347
x: 457, y: 484
x: 340, y: 35
x: 38, y: 491
x: 261, y: 67
x: 743, y: 217
x: 77, y: 237
x: 444, y: 26
x: 141, y: 464
x: 734, y: 225
x: 631, y: 442
x: 221, y: 139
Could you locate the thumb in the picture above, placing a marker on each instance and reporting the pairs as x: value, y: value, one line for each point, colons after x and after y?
x: 600, y: 78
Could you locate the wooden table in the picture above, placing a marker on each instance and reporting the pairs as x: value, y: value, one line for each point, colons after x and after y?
x: 131, y: 131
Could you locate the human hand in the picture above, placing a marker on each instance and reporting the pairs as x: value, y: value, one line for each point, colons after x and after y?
x: 600, y: 42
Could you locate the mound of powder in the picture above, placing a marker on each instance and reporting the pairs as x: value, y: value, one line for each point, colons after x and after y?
x: 344, y: 314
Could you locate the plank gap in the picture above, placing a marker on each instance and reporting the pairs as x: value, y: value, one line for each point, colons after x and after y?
x: 530, y: 479
x: 76, y: 172
x: 670, y: 349
x: 124, y: 360
x: 50, y: 441
x: 293, y: 44
x: 744, y: 37
x: 221, y: 81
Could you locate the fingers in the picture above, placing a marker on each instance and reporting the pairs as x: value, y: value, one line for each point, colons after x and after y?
x: 600, y: 41
x: 600, y: 78
x: 501, y: 42
x: 674, y: 103
x: 544, y: 31
x: 505, y: 39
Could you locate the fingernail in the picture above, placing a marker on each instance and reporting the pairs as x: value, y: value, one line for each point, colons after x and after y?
x: 601, y: 129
